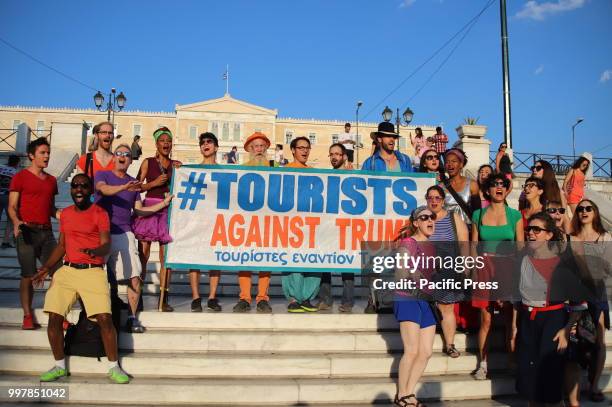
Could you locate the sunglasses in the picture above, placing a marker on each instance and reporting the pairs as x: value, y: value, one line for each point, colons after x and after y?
x: 424, y: 218
x: 431, y: 157
x: 499, y: 184
x: 433, y: 198
x: 123, y: 154
x: 581, y: 209
x: 556, y: 210
x: 79, y: 184
x: 535, y: 229
x: 536, y: 168
x: 529, y: 185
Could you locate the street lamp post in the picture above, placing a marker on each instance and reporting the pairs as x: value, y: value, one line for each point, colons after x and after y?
x: 578, y: 121
x: 116, y: 103
x: 408, y: 114
x: 357, y: 143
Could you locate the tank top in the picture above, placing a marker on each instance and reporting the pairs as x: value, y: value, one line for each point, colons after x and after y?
x: 154, y: 170
x: 443, y: 231
x: 452, y: 206
x: 576, y: 188
x: 497, y: 233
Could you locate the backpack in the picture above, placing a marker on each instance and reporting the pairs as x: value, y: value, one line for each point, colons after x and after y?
x: 84, y: 339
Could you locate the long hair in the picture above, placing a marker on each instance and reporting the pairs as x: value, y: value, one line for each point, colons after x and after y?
x: 597, y: 224
x: 551, y: 186
x: 481, y: 184
x: 540, y: 185
x: 579, y: 162
x: 422, y: 167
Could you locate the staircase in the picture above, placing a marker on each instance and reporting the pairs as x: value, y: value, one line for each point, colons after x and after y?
x: 249, y: 359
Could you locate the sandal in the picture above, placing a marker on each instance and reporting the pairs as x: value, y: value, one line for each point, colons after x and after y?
x: 417, y: 402
x: 403, y: 402
x: 452, y: 351
x: 597, y: 396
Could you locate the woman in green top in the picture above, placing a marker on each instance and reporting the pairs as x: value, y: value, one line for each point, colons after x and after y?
x: 494, y: 224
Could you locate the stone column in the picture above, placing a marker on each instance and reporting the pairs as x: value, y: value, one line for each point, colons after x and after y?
x: 24, y: 134
x: 475, y: 145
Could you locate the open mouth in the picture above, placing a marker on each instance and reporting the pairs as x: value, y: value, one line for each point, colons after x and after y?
x: 499, y: 193
x: 430, y: 227
x: 531, y: 238
x: 122, y: 161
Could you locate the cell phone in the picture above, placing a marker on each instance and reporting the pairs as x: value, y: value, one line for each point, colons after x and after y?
x: 26, y: 233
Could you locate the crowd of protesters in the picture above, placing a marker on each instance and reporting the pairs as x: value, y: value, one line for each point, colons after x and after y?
x: 110, y: 227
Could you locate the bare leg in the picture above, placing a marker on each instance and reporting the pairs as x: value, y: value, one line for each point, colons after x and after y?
x: 213, y: 278
x: 194, y: 282
x: 109, y: 336
x: 483, y: 334
x: 600, y: 356
x: 55, y: 333
x: 26, y: 293
x: 144, y: 251
x: 410, y: 332
x: 426, y: 340
x: 572, y: 383
x: 449, y: 323
x: 134, y: 294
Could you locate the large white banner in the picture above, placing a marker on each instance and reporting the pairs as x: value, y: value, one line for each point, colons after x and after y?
x: 229, y: 217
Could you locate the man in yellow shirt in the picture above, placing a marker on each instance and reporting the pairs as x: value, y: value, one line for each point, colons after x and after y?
x: 256, y: 145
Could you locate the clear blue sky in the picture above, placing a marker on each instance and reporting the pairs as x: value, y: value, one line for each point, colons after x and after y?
x: 318, y: 58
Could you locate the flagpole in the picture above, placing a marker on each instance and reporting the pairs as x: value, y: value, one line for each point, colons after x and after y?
x: 227, y: 79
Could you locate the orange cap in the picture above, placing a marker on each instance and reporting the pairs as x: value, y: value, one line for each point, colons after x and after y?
x: 255, y: 136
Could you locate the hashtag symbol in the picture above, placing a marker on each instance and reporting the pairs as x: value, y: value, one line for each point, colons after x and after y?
x: 193, y: 191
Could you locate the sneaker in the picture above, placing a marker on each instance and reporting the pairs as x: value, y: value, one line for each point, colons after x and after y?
x: 346, y: 309
x: 196, y: 305
x: 117, y: 375
x: 323, y: 306
x: 480, y: 373
x: 308, y: 307
x: 242, y: 306
x: 294, y: 307
x: 53, y: 374
x: 7, y: 246
x: 263, y: 307
x: 29, y: 323
x: 370, y: 308
x: 133, y: 325
x: 213, y: 305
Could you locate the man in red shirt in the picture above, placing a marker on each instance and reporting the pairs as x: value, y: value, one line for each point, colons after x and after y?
x: 84, y: 240
x: 440, y: 140
x: 31, y: 205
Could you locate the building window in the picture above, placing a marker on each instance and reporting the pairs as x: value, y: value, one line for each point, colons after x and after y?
x: 225, y: 132
x: 236, y: 134
x: 40, y: 125
x: 89, y: 128
x: 334, y: 138
x: 193, y: 132
x: 313, y: 138
x: 136, y: 129
x: 16, y: 124
x: 258, y: 130
x: 288, y: 136
x: 214, y: 128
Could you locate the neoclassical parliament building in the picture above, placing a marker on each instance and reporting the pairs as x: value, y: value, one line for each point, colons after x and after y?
x: 231, y: 120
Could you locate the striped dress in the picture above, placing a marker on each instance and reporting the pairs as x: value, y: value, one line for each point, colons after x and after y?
x: 444, y: 234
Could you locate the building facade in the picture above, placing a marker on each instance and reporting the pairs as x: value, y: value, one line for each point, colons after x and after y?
x: 230, y: 119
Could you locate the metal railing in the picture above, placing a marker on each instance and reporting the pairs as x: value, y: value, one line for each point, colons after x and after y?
x: 8, y: 137
x: 522, y: 163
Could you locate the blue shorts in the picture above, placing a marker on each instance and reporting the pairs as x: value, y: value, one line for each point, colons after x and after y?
x: 417, y: 311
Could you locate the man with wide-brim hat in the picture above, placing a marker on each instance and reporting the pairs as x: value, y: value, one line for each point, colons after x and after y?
x: 256, y: 145
x: 385, y: 159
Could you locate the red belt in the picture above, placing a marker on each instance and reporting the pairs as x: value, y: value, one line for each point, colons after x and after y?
x: 533, y: 311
